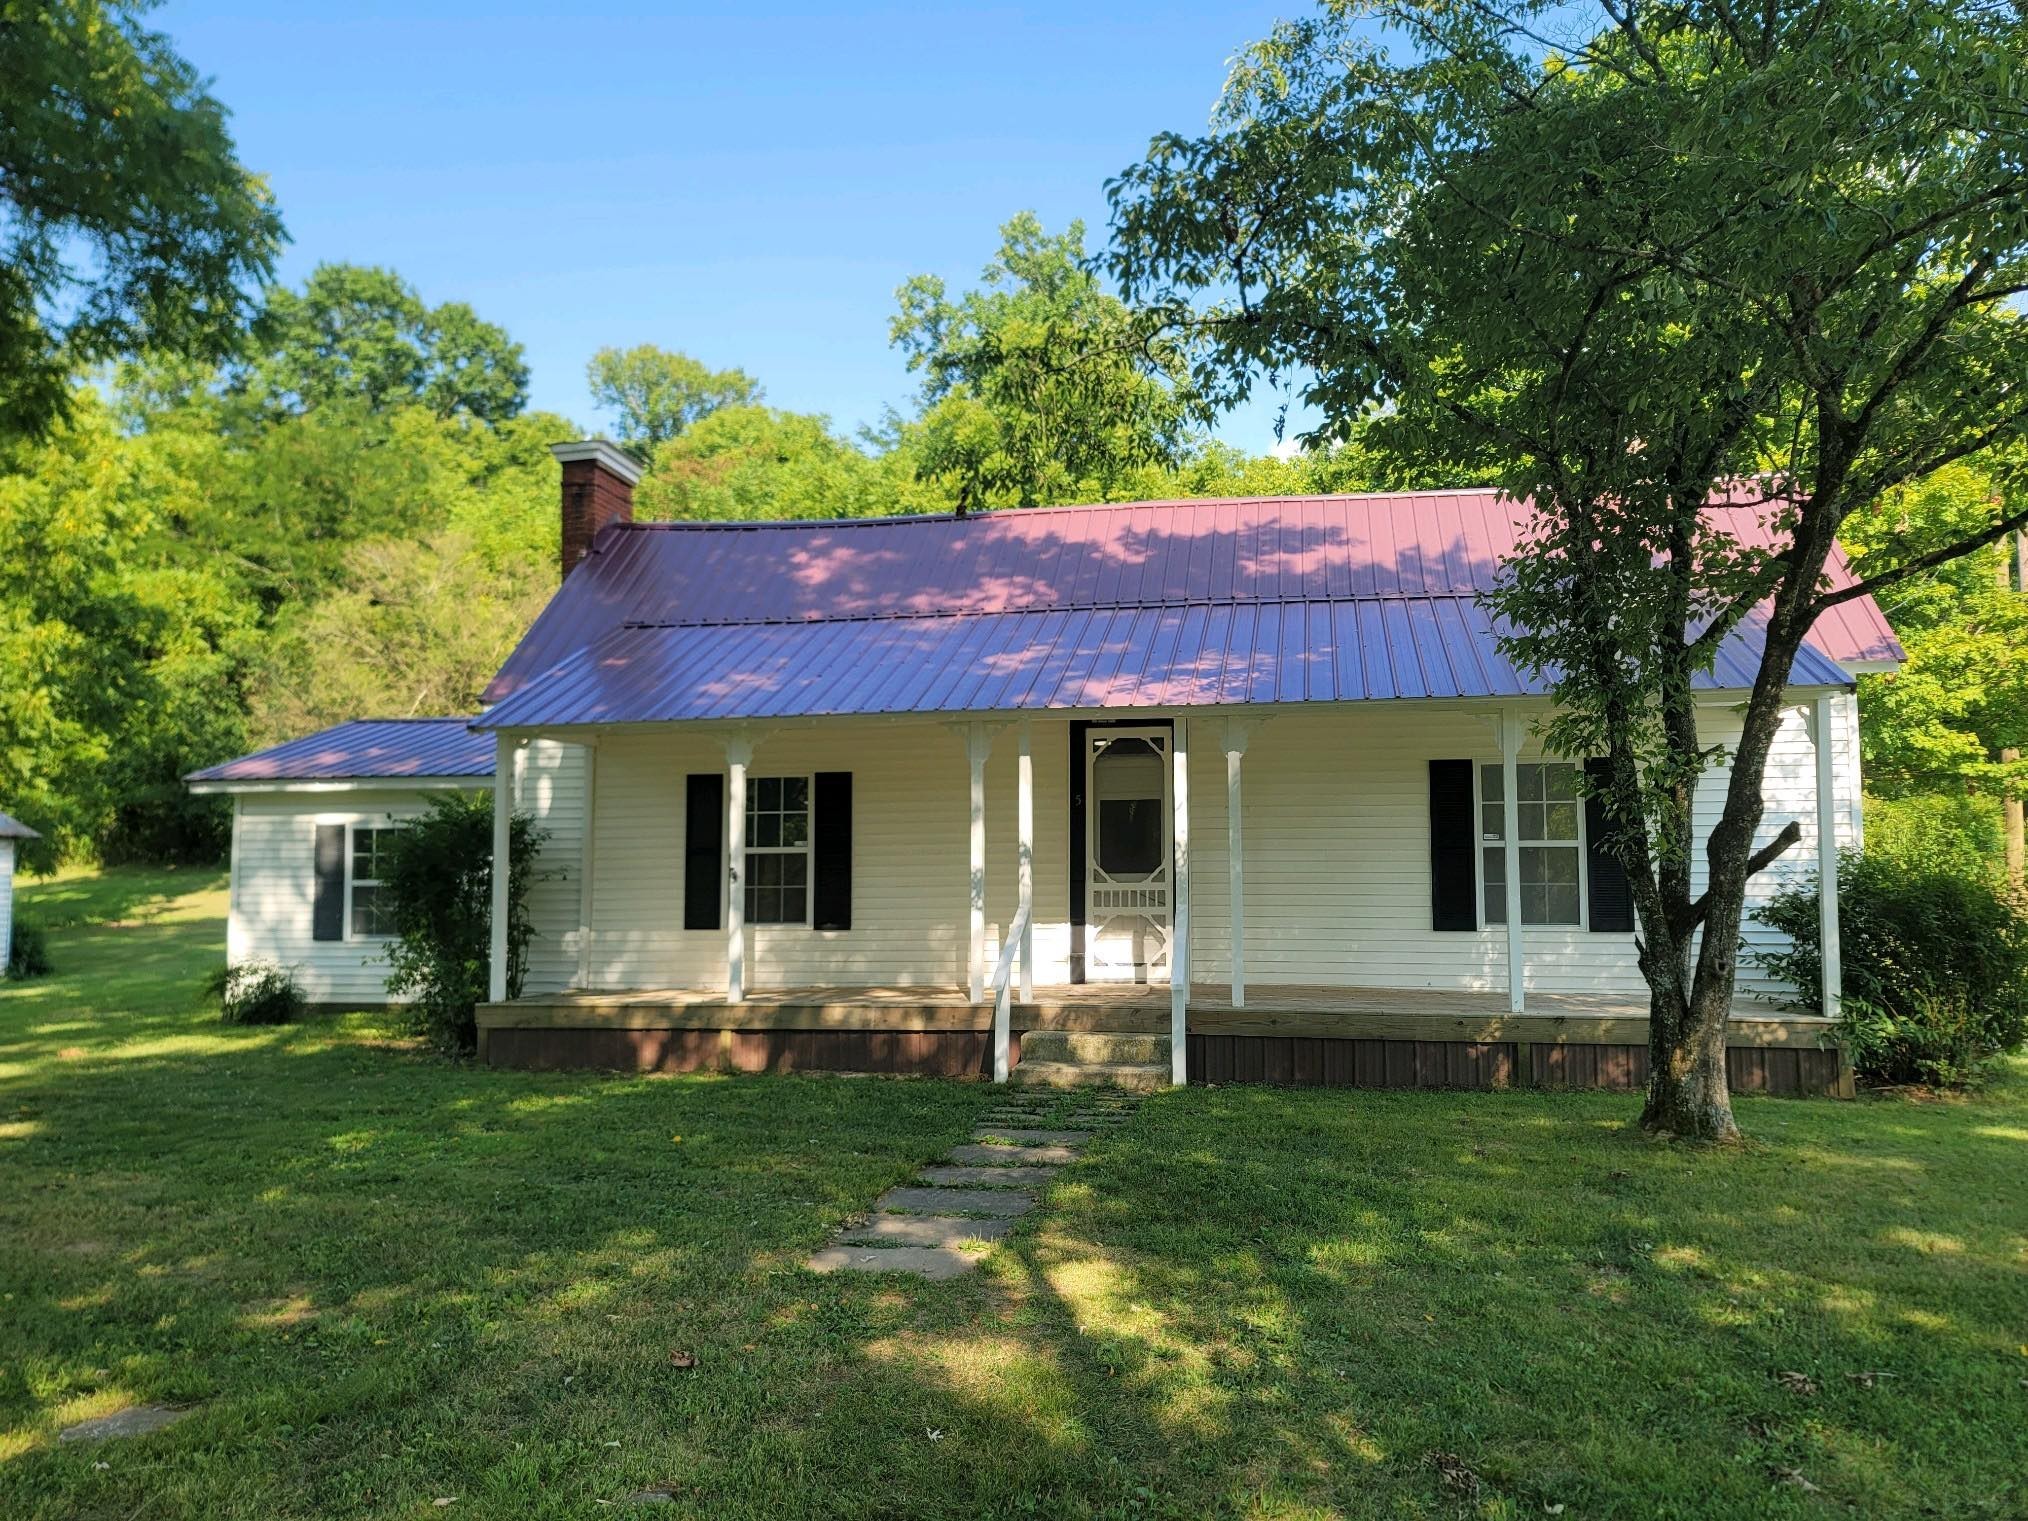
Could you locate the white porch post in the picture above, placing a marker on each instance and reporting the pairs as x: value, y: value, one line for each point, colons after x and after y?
x: 738, y: 756
x: 503, y: 820
x: 1236, y: 733
x: 1179, y: 914
x: 1024, y: 831
x: 1823, y: 732
x: 587, y: 857
x: 978, y: 743
x: 1510, y: 827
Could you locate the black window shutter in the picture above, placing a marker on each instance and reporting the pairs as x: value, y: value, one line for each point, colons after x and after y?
x: 831, y: 847
x: 1453, y: 847
x: 703, y: 832
x: 1611, y: 899
x: 327, y: 907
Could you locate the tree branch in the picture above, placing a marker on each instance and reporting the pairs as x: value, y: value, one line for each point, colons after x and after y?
x: 1756, y: 863
x: 1989, y: 535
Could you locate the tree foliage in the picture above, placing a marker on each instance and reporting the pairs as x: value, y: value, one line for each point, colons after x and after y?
x: 362, y: 335
x: 130, y: 224
x: 1670, y: 251
x: 654, y: 395
x: 1038, y: 387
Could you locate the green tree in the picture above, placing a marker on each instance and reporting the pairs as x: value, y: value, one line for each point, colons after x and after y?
x: 1039, y: 387
x: 130, y: 225
x: 758, y: 463
x: 116, y: 674
x: 1669, y: 249
x: 361, y: 335
x: 654, y: 394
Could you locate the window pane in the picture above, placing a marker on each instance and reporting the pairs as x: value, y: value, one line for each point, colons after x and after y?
x: 1560, y: 821
x: 795, y: 793
x: 1130, y: 836
x: 1493, y: 821
x: 362, y: 853
x: 767, y: 829
x: 1530, y: 781
x: 1551, y: 863
x: 1559, y: 782
x: 768, y: 794
x: 1493, y: 862
x: 1530, y: 817
x: 793, y: 871
x: 368, y: 916
x: 1492, y: 784
x: 1532, y: 904
x: 795, y: 829
x: 1559, y: 905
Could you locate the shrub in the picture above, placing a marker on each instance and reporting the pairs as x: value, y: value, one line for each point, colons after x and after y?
x: 28, y: 956
x: 438, y: 885
x: 258, y: 993
x: 1935, y: 959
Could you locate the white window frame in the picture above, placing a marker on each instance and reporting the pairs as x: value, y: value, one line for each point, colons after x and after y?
x: 807, y: 850
x: 1481, y: 845
x: 352, y: 831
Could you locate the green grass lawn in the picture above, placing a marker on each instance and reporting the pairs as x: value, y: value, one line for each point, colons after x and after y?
x: 382, y: 1280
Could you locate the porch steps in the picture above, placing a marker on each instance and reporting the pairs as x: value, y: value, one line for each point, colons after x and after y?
x: 1136, y: 1077
x: 939, y: 1226
x: 1132, y: 1056
x: 1131, y: 1048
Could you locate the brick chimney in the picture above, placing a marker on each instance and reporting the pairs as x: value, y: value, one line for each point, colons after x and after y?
x: 598, y: 488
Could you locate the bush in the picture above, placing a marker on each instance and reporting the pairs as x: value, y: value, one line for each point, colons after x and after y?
x: 28, y: 956
x: 1935, y: 959
x: 438, y: 885
x: 258, y: 993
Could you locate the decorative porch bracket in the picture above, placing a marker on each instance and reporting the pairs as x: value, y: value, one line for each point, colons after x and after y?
x: 1820, y: 717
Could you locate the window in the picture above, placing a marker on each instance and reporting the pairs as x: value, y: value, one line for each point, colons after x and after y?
x: 778, y: 850
x: 370, y: 915
x: 1552, y: 850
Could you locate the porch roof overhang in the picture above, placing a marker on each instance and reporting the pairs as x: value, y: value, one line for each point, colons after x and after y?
x: 1062, y: 661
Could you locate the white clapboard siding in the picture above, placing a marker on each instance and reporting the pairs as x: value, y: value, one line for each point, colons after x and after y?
x: 274, y: 881
x: 1336, y: 838
x: 552, y: 789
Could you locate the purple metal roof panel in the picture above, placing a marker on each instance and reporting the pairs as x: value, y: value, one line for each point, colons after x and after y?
x: 1061, y: 659
x: 366, y: 748
x: 1304, y: 550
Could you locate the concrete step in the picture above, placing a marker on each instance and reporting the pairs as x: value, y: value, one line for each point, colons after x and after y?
x: 924, y: 1230
x: 1106, y: 1047
x: 1013, y: 1156
x: 921, y: 1261
x: 1136, y: 1076
x: 1151, y: 1018
x: 1031, y: 1137
x: 954, y: 1201
x: 986, y: 1177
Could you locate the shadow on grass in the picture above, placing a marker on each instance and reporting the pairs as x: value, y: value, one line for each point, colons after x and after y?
x: 387, y: 1279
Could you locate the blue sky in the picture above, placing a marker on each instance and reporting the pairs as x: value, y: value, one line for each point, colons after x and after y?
x: 747, y: 184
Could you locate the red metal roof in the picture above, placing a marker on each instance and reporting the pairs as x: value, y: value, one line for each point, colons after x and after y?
x: 363, y: 749
x: 1139, y: 604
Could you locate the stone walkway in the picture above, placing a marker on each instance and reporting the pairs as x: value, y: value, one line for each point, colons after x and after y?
x: 943, y: 1223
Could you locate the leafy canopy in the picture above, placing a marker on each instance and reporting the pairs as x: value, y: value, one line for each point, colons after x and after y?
x: 1040, y: 386
x: 653, y: 395
x: 128, y: 222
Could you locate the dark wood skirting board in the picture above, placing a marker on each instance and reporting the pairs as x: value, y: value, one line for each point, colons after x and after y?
x: 1324, y: 1062
x: 926, y: 1053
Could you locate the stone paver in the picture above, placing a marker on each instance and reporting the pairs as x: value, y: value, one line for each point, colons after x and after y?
x: 925, y: 1230
x: 933, y: 1228
x: 985, y: 1177
x: 136, y: 1420
x: 1013, y: 1156
x: 923, y: 1261
x: 955, y: 1201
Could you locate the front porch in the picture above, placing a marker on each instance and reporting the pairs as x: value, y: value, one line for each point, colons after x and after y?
x: 1300, y: 1035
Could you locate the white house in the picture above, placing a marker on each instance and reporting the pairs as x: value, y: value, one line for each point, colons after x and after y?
x: 12, y: 832
x: 1204, y: 789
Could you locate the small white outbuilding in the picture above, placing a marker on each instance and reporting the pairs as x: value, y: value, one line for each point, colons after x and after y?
x: 11, y: 830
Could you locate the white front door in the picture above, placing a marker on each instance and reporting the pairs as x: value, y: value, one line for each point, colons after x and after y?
x: 1128, y: 855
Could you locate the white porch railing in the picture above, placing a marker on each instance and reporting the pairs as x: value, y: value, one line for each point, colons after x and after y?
x: 1003, y: 974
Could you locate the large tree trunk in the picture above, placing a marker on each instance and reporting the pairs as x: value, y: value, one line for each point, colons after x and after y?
x: 1687, y: 1091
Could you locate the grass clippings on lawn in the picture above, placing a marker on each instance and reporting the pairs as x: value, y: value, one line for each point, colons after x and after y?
x: 377, y: 1281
